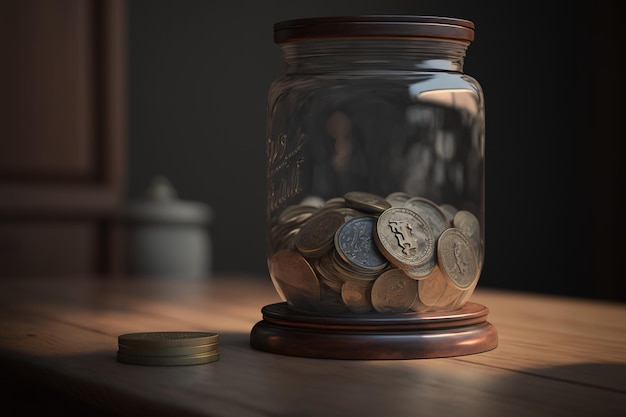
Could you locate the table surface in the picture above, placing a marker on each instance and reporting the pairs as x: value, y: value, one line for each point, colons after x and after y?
x: 556, y: 356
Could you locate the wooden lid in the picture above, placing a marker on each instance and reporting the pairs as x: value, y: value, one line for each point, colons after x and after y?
x: 381, y: 26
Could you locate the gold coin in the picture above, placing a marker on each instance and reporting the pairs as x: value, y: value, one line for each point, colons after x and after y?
x: 168, y: 351
x: 168, y: 361
x: 167, y: 339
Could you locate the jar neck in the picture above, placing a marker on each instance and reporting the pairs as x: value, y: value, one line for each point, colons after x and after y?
x: 348, y: 55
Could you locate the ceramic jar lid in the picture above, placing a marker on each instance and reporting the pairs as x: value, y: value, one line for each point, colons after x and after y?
x: 160, y: 204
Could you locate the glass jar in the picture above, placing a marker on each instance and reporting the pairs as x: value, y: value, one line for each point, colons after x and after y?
x: 375, y: 166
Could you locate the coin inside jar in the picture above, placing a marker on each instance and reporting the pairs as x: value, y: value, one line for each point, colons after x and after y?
x: 367, y: 202
x: 404, y: 238
x: 354, y: 242
x: 393, y: 292
x: 431, y: 212
x: 316, y: 237
x: 457, y: 258
x: 296, y: 278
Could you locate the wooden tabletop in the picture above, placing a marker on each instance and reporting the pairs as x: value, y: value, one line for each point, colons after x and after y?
x: 556, y: 356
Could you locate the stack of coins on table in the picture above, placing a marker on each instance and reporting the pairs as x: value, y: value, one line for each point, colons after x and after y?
x: 168, y: 348
x: 365, y: 253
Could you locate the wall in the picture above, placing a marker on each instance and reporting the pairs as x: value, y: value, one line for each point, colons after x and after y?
x: 199, y: 76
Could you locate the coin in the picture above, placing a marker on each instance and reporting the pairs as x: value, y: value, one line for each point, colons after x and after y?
x: 431, y: 287
x: 357, y: 296
x: 368, y: 202
x: 354, y: 241
x: 404, y: 238
x: 325, y: 268
x: 421, y: 271
x: 448, y: 297
x: 330, y: 302
x: 467, y: 223
x: 464, y: 296
x: 168, y: 351
x: 167, y: 339
x: 296, y: 278
x: 319, y: 246
x: 430, y: 212
x: 295, y: 213
x: 418, y: 306
x: 393, y: 292
x: 313, y: 201
x: 449, y: 210
x: 457, y: 258
x: 397, y: 199
x: 351, y: 272
x: 316, y: 237
x: 197, y: 359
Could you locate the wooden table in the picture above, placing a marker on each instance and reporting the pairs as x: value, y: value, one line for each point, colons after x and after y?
x: 58, y: 343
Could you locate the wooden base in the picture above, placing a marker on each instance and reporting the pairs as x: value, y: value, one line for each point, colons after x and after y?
x: 374, y: 336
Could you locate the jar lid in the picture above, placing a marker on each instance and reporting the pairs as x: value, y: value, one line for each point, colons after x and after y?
x: 379, y: 26
x: 160, y: 204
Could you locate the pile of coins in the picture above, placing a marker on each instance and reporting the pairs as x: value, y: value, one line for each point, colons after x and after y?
x: 364, y: 253
x: 168, y: 348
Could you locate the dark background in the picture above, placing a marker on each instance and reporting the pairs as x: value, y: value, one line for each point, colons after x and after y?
x: 198, y: 80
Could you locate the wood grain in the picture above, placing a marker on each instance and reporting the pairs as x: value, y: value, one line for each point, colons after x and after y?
x: 556, y: 356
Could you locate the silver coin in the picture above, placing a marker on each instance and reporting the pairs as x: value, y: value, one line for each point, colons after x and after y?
x: 393, y: 292
x: 449, y: 210
x: 316, y: 236
x: 367, y: 202
x: 468, y: 223
x: 295, y: 213
x: 398, y: 198
x: 404, y: 238
x: 352, y: 272
x: 430, y: 212
x: 457, y: 258
x: 422, y: 271
x: 313, y: 201
x: 335, y: 202
x: 354, y: 241
x: 325, y: 268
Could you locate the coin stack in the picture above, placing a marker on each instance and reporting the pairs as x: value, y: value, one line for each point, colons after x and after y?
x: 364, y: 253
x: 168, y: 348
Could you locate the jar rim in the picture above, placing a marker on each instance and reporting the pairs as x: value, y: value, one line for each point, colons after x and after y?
x: 378, y: 26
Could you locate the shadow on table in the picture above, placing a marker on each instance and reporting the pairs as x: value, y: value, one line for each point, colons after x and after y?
x: 244, y: 384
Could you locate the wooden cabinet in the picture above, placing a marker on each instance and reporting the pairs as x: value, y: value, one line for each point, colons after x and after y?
x: 62, y: 135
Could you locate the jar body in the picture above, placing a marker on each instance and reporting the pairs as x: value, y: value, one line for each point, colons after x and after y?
x: 375, y: 148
